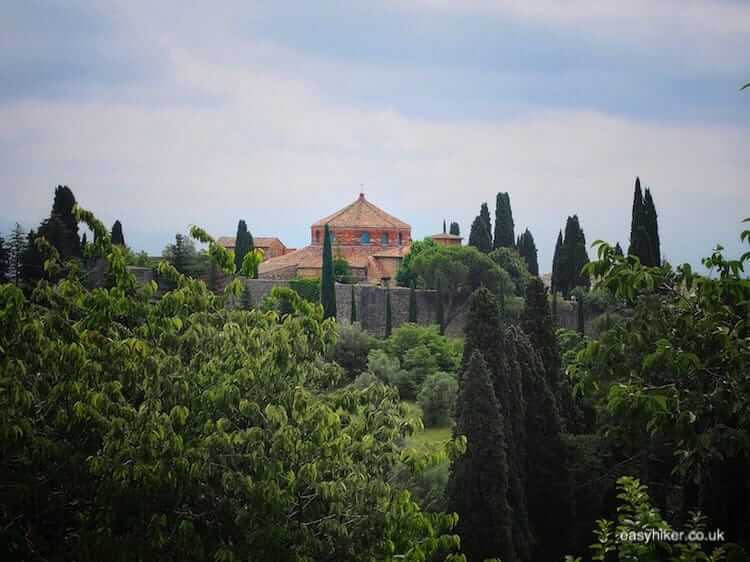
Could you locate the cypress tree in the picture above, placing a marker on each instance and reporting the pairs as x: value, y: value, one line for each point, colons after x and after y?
x: 455, y: 229
x: 444, y: 231
x: 573, y: 256
x: 4, y: 265
x: 484, y: 332
x: 547, y: 478
x: 504, y: 235
x: 412, y: 304
x: 652, y: 227
x: 117, y: 236
x: 527, y: 250
x: 618, y: 249
x: 246, y: 299
x: 242, y: 244
x: 32, y: 264
x: 556, y: 265
x: 327, y: 282
x: 580, y: 315
x: 479, y: 236
x: 61, y: 229
x: 484, y: 214
x: 479, y: 477
x: 439, y: 312
x: 388, y: 319
x: 640, y: 243
x: 536, y: 323
x: 84, y: 242
x: 353, y: 315
x: 16, y: 251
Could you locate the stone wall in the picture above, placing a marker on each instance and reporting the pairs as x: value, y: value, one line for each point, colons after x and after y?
x: 370, y: 303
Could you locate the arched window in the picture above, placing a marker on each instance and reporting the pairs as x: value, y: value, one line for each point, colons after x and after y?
x: 317, y: 236
x: 365, y: 237
x: 400, y: 239
x: 384, y: 239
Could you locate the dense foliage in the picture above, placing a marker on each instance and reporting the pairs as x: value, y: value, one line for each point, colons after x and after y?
x: 644, y: 228
x: 527, y: 250
x: 181, y: 429
x: 328, y: 279
x: 504, y: 234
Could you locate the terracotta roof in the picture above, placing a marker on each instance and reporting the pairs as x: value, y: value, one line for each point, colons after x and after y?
x: 258, y: 242
x: 311, y: 257
x: 363, y: 214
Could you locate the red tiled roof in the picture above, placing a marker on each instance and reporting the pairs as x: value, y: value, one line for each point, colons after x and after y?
x: 258, y: 242
x: 362, y: 214
x: 311, y: 257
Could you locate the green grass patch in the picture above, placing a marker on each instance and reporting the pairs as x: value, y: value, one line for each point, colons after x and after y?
x: 429, y: 439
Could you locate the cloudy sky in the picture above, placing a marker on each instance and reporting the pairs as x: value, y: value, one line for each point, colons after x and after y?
x: 165, y: 114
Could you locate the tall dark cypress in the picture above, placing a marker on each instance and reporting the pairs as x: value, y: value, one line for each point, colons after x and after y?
x: 242, y: 244
x: 556, y: 264
x: 17, y: 249
x: 504, y: 234
x: 549, y: 491
x: 32, y: 263
x: 480, y: 236
x: 353, y: 312
x: 478, y: 483
x: 455, y: 229
x: 618, y: 249
x: 439, y: 312
x: 117, y: 236
x: 484, y: 332
x: 61, y: 228
x: 412, y: 304
x: 444, y: 230
x: 527, y: 250
x: 327, y: 281
x: 652, y: 227
x: 640, y: 242
x: 4, y: 265
x: 573, y: 256
x: 536, y: 322
x: 484, y: 214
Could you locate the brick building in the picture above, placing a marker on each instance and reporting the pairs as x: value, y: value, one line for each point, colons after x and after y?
x: 272, y: 247
x: 445, y: 239
x: 369, y: 239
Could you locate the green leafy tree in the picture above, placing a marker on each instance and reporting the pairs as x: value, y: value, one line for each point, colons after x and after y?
x: 117, y: 235
x: 515, y: 266
x: 437, y: 398
x: 182, y: 429
x: 342, y: 271
x: 527, y: 250
x: 251, y: 262
x: 455, y: 229
x: 351, y: 349
x: 182, y: 254
x: 478, y: 481
x: 504, y: 233
x: 624, y: 538
x: 327, y: 280
x: 458, y: 271
x: 670, y: 378
x: 406, y: 275
x: 412, y: 304
x: 32, y: 262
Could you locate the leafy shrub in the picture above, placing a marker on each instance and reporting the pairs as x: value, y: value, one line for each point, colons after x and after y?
x: 352, y: 347
x: 385, y: 367
x: 306, y: 287
x: 444, y: 352
x: 437, y: 398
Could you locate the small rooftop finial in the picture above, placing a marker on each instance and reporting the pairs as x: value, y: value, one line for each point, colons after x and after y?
x: 361, y: 191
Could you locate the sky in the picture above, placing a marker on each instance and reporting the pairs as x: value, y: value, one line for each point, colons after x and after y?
x: 167, y: 114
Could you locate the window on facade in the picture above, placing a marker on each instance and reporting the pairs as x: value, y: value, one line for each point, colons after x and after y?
x: 365, y: 237
x: 400, y: 238
x: 384, y: 239
x: 317, y: 235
